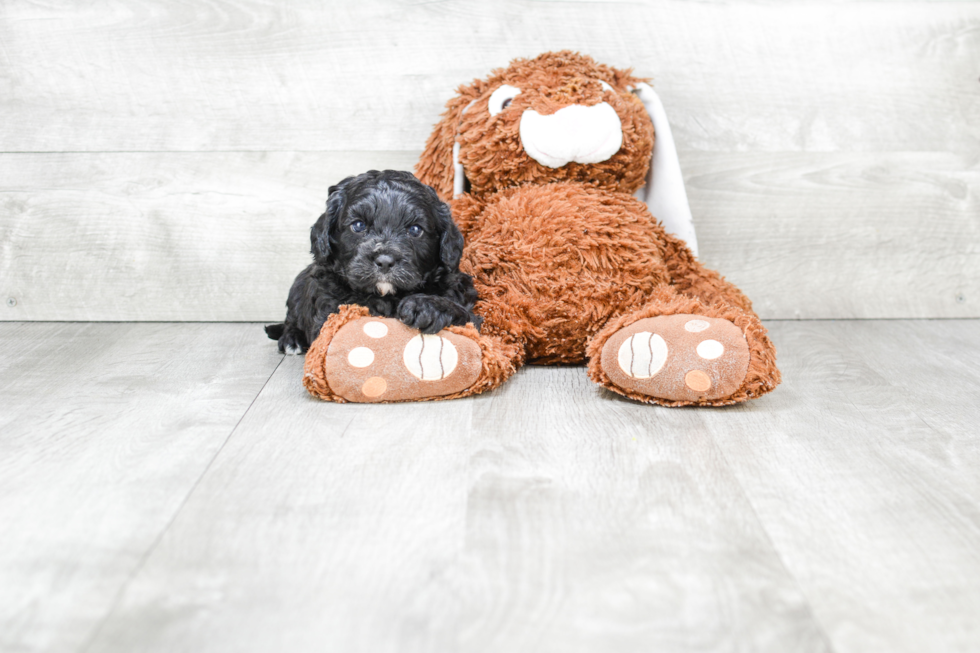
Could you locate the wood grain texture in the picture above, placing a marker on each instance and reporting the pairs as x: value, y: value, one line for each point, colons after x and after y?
x: 842, y: 235
x: 104, y: 429
x: 598, y: 524
x: 374, y: 75
x: 220, y: 236
x: 838, y: 513
x: 864, y: 472
x: 547, y: 516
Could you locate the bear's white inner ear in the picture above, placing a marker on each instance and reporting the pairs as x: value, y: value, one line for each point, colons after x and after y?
x: 664, y: 191
x: 459, y: 177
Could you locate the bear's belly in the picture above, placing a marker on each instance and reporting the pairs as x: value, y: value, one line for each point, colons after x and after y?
x: 563, y: 258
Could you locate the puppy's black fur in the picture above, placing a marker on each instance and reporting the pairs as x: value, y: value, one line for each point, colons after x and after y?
x: 387, y: 242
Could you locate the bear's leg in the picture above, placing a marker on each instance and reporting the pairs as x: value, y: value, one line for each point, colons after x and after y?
x: 689, y: 277
x: 676, y: 350
x: 360, y: 358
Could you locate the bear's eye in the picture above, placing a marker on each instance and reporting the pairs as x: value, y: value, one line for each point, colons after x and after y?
x: 415, y: 230
x: 501, y: 98
x: 358, y: 226
x: 605, y: 86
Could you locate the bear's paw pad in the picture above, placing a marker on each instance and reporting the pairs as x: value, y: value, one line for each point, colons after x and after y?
x: 677, y: 357
x: 380, y: 359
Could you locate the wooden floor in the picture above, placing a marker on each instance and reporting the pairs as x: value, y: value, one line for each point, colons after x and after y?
x: 171, y: 487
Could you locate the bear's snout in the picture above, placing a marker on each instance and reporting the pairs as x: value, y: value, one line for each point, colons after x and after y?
x: 574, y: 133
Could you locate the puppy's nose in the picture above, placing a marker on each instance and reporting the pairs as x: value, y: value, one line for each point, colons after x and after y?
x: 384, y: 262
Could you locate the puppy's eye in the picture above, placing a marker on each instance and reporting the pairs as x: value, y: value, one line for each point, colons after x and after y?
x: 358, y: 226
x: 501, y: 98
x: 415, y: 230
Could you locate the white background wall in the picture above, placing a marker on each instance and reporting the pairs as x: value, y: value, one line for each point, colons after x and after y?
x: 163, y: 160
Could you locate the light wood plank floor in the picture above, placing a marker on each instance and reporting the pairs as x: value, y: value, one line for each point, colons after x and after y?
x: 171, y: 487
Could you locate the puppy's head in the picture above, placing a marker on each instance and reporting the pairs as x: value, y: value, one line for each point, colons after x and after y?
x: 386, y: 232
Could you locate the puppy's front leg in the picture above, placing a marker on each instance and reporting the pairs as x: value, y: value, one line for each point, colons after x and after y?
x: 324, y: 307
x: 431, y: 313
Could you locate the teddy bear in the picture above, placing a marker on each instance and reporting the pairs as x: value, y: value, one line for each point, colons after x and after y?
x: 546, y: 165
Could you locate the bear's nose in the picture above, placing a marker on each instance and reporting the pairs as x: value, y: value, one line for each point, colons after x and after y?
x: 384, y: 262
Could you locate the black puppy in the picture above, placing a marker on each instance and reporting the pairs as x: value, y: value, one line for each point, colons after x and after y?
x: 387, y: 242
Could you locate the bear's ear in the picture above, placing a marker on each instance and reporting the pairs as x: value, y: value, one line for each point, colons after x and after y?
x: 436, y: 166
x: 664, y: 192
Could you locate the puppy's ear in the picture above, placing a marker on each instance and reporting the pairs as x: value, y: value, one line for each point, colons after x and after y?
x: 451, y: 242
x: 324, y: 227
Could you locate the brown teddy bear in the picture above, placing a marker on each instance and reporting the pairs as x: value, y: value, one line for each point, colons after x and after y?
x: 540, y: 162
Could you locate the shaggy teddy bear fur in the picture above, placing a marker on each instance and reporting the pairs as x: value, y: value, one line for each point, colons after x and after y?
x: 566, y: 261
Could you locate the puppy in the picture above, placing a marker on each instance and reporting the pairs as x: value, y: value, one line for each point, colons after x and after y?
x: 387, y: 242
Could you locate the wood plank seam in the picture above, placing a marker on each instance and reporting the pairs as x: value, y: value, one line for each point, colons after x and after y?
x: 772, y: 543
x: 149, y: 551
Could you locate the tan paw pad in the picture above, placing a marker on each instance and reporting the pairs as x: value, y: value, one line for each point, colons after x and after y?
x: 374, y: 387
x: 697, y: 380
x: 677, y: 357
x: 381, y: 359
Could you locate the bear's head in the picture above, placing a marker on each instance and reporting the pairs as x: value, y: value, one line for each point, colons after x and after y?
x: 560, y: 116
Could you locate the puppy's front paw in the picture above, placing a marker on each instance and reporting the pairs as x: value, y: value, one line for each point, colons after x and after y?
x: 426, y: 313
x: 292, y: 343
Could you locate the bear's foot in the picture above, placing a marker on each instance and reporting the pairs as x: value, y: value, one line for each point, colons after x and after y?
x: 679, y: 358
x: 380, y: 359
